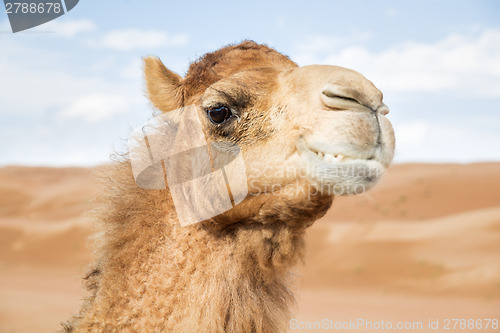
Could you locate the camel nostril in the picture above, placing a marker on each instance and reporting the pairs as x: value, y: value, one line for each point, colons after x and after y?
x: 332, y: 92
x: 338, y: 97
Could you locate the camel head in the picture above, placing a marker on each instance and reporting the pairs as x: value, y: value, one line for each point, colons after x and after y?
x: 306, y: 133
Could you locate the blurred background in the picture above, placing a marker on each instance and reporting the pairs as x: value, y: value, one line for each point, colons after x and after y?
x: 424, y: 244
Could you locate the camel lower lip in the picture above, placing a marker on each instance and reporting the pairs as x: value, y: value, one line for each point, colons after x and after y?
x: 344, y: 178
x: 339, y: 173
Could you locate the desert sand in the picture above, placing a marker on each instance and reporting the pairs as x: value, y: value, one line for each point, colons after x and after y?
x: 420, y: 248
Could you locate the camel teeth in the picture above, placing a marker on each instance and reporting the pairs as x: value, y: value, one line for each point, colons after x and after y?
x: 330, y: 157
x: 338, y: 157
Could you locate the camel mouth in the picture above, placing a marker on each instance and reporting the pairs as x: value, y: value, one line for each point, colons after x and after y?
x: 335, y: 153
x: 336, y: 156
x: 340, y: 169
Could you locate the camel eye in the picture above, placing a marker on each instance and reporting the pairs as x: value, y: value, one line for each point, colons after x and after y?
x: 219, y: 115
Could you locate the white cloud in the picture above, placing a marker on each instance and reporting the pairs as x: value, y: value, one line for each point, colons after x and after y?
x: 62, y: 28
x: 412, y: 133
x: 317, y: 47
x: 61, y: 114
x: 458, y: 63
x: 35, y: 86
x: 69, y: 28
x: 423, y: 141
x: 131, y: 39
x: 31, y: 91
x: 97, y: 107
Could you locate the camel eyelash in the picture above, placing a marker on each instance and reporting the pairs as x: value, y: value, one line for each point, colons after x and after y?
x: 237, y: 99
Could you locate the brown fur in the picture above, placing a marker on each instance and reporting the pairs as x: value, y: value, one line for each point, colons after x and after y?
x: 231, y: 273
x: 154, y: 276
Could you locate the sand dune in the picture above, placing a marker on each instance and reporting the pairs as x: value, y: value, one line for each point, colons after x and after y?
x: 453, y: 255
x: 423, y: 191
x: 424, y: 244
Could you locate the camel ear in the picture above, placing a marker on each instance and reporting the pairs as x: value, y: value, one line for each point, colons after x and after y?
x: 164, y: 86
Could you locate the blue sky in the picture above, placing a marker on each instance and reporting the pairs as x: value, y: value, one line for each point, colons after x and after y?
x: 71, y: 90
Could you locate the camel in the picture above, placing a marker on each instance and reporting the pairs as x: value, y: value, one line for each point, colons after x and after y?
x: 234, y: 272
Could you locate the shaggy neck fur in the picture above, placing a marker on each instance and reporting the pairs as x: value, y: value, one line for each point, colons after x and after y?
x: 227, y: 275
